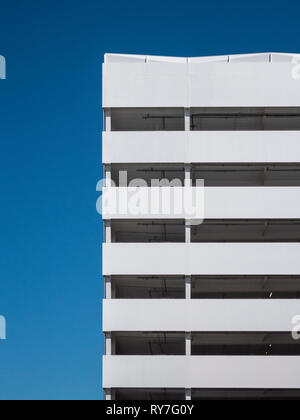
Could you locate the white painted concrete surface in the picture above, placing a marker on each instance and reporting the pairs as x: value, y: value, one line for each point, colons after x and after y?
x: 201, y: 372
x: 201, y: 146
x: 201, y: 259
x: 199, y: 315
x: 244, y: 81
x: 209, y: 203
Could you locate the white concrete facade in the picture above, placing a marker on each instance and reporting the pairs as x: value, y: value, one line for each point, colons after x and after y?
x: 233, y: 121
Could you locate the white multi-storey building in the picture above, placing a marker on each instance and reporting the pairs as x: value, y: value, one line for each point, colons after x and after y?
x: 204, y: 311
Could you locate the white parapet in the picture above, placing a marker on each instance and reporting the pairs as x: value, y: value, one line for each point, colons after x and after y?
x: 201, y: 146
x: 201, y: 372
x: 201, y: 203
x: 201, y: 258
x: 187, y: 83
x: 200, y: 315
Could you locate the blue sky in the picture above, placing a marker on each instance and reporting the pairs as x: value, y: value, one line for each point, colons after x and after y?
x: 50, y: 126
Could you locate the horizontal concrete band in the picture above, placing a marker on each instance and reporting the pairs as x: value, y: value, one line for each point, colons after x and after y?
x: 201, y: 146
x: 165, y: 84
x: 200, y: 315
x: 206, y: 203
x: 201, y: 372
x: 201, y: 258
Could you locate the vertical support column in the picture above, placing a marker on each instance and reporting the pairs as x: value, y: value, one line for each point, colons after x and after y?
x: 107, y: 288
x: 188, y: 287
x: 107, y: 232
x: 188, y: 352
x: 187, y: 119
x: 188, y: 175
x: 188, y: 343
x: 107, y: 119
x: 188, y: 232
x: 187, y: 183
x: 109, y: 394
x: 107, y: 175
x: 188, y: 394
x: 108, y: 344
x: 188, y: 279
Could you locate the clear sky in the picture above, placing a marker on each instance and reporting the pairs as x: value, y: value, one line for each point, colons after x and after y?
x: 50, y: 126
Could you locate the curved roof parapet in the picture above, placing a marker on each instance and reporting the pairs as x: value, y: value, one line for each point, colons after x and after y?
x: 238, y: 58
